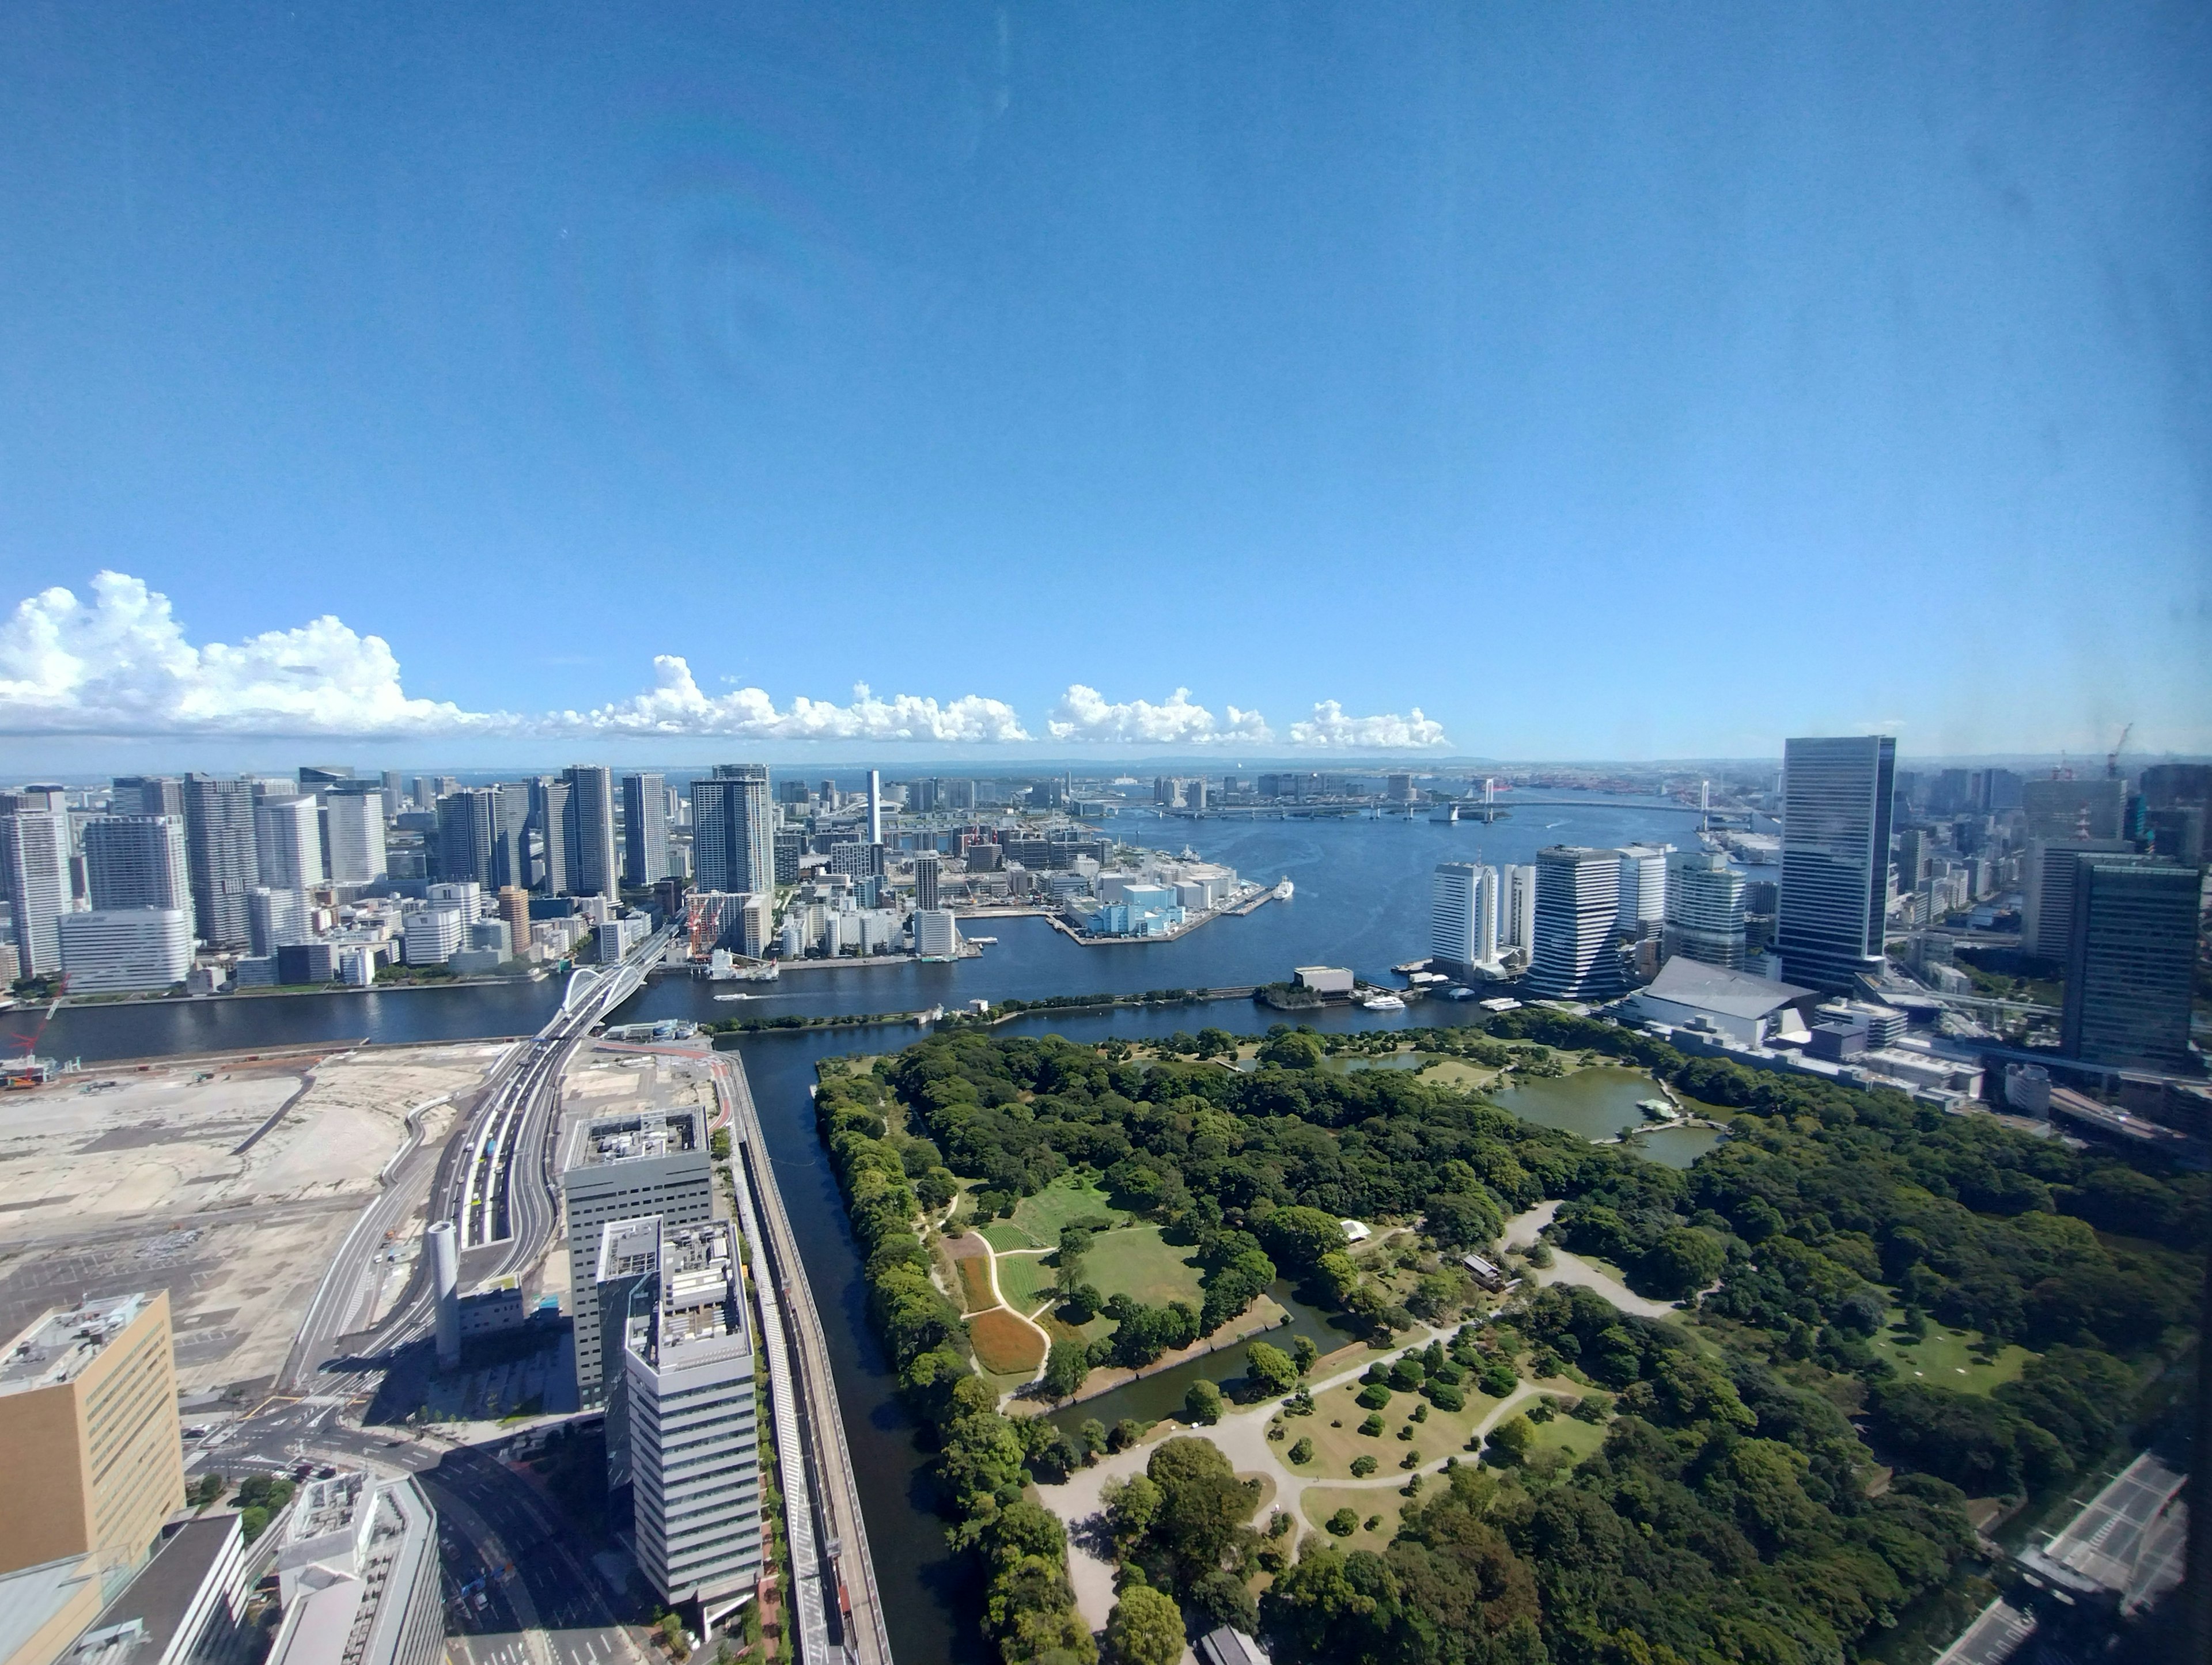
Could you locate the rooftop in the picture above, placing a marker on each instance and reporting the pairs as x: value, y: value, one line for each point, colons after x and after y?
x: 57, y: 1347
x: 611, y: 1139
x: 143, y: 1619
x: 1737, y: 994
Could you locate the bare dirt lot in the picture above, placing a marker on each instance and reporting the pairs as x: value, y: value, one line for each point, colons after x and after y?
x: 228, y: 1184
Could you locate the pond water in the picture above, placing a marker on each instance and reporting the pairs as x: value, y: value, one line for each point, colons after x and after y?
x: 1597, y: 1103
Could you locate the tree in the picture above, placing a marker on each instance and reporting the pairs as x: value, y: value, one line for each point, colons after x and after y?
x: 1132, y: 1505
x: 1305, y: 1354
x: 1144, y: 1628
x: 1271, y: 1368
x: 1202, y: 1404
x: 1293, y: 1049
x: 1343, y: 1523
x: 1511, y: 1440
x: 1298, y: 1237
x: 1216, y: 1044
x: 1065, y: 1367
x: 1204, y: 1508
x: 1301, y: 1450
x: 1074, y: 1244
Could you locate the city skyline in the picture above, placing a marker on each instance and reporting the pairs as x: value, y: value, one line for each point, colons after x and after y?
x: 1060, y: 365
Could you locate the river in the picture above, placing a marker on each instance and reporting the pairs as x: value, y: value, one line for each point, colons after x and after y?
x: 1362, y: 900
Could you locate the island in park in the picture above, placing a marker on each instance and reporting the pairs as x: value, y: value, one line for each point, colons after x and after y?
x: 1462, y: 1388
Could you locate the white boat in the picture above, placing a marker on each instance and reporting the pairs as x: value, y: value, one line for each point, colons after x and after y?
x: 1284, y: 889
x: 981, y: 942
x: 733, y: 997
x: 1384, y: 1003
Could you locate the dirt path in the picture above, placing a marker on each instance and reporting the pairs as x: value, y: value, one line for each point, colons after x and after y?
x: 1521, y: 1232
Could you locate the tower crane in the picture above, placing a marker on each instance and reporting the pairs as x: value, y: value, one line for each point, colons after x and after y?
x: 2112, y: 757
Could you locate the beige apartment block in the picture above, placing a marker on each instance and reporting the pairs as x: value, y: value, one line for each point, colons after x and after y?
x: 89, y: 1429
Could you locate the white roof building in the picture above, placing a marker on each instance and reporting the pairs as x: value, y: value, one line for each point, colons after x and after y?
x: 1733, y: 1006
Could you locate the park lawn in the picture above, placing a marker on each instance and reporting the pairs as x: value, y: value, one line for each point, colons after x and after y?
x: 1444, y: 1434
x: 1320, y: 1502
x: 1066, y: 1200
x: 1564, y: 1433
x: 1025, y: 1280
x: 1136, y: 1262
x: 1458, y: 1072
x: 1003, y: 1235
x: 1004, y: 1344
x: 976, y: 1283
x: 1945, y: 1360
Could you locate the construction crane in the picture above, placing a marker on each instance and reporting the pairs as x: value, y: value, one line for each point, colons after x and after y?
x: 30, y: 1070
x: 2112, y: 757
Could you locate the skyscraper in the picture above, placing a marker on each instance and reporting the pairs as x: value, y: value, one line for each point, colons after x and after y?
x: 464, y: 835
x: 645, y: 829
x: 34, y: 867
x: 1644, y: 888
x: 510, y: 834
x: 2047, y: 884
x: 353, y: 824
x: 548, y: 820
x: 149, y: 794
x: 288, y: 843
x: 2131, y: 957
x: 138, y: 861
x: 875, y: 806
x: 926, y: 875
x: 220, y: 854
x: 1836, y: 805
x: 1517, y: 893
x: 623, y: 1167
x: 2094, y: 808
x: 588, y: 824
x: 1578, y: 905
x: 1704, y: 910
x: 1464, y: 913
x: 733, y: 831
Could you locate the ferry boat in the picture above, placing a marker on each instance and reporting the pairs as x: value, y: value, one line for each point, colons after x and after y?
x: 733, y: 997
x: 1283, y: 891
x: 1383, y: 1003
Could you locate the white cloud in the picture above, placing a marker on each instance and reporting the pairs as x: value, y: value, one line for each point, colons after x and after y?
x: 120, y: 665
x: 1329, y: 726
x: 1084, y: 713
x: 677, y: 706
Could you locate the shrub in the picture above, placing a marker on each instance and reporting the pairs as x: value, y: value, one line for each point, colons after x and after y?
x: 1373, y: 1397
x: 1343, y: 1523
x: 1302, y: 1451
x: 1448, y: 1398
x: 1202, y: 1404
x: 1363, y: 1466
x: 1372, y: 1427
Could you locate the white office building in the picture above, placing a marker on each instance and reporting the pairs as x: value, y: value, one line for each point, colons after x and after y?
x: 623, y: 1168
x: 935, y: 934
x: 137, y: 861
x: 431, y: 935
x: 288, y: 843
x: 356, y: 822
x: 1517, y: 892
x: 358, y: 1576
x: 1644, y: 888
x: 34, y: 868
x: 110, y: 949
x: 1578, y: 906
x: 686, y: 1396
x: 465, y: 893
x: 1463, y: 915
x: 276, y: 919
x: 1704, y: 910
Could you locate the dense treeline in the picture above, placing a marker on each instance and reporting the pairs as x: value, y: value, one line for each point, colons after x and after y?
x: 1735, y: 1511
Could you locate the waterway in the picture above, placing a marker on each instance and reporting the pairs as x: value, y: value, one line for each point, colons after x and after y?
x: 1362, y: 900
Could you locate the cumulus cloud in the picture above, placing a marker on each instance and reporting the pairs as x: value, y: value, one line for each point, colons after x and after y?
x: 1329, y: 726
x: 1084, y: 713
x: 120, y: 665
x: 676, y: 705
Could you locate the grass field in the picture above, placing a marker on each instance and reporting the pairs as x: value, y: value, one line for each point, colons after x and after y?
x: 1004, y: 1344
x: 1135, y: 1261
x: 1946, y: 1359
x: 975, y: 1284
x: 1320, y: 1502
x: 1037, y: 1220
x: 1024, y: 1279
x: 1445, y: 1432
x: 1458, y: 1072
x: 1564, y: 1433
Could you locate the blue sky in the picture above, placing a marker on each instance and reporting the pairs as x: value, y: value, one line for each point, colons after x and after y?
x: 1597, y: 381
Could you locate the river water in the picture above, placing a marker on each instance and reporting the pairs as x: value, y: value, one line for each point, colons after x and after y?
x: 1362, y: 900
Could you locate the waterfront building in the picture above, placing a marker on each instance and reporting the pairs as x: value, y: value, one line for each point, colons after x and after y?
x: 936, y: 934
x: 1720, y: 1003
x: 288, y: 843
x: 88, y: 1436
x: 1518, y: 892
x: 2047, y: 886
x: 432, y: 935
x: 645, y: 829
x: 1644, y: 888
x: 514, y: 910
x: 1835, y: 808
x: 734, y: 843
x: 2131, y: 957
x: 466, y: 821
x: 671, y: 1299
x: 1577, y: 903
x: 355, y: 824
x: 34, y: 863
x: 511, y: 810
x: 1704, y: 910
x: 358, y: 1576
x: 549, y: 819
x: 588, y: 829
x: 220, y: 856
x: 111, y: 949
x: 138, y: 861
x: 925, y: 879
x: 1463, y: 915
x: 2067, y: 809
x: 619, y: 1168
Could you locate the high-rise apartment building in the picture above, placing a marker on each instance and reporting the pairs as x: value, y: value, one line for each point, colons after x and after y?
x: 1463, y: 915
x: 219, y: 852
x: 927, y: 866
x: 89, y: 1436
x: 549, y: 819
x: 2130, y: 956
x: 2067, y: 809
x: 353, y: 827
x: 1704, y: 910
x: 618, y: 1167
x: 680, y: 1379
x: 588, y: 825
x: 147, y: 794
x: 35, y: 870
x: 288, y: 843
x: 875, y: 806
x: 1577, y: 906
x: 645, y: 829
x: 733, y: 831
x: 1837, y: 801
x: 1518, y: 913
x: 464, y: 835
x: 138, y: 861
x: 1644, y: 888
x: 514, y: 910
x: 2047, y: 891
x: 510, y: 834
